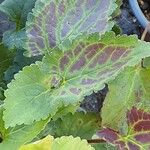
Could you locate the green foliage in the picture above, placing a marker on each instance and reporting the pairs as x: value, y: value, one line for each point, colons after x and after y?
x: 15, y: 137
x: 6, y: 59
x: 78, y: 125
x: 63, y: 143
x: 135, y: 86
x: 64, y: 78
x: 14, y: 39
x: 83, y: 50
x: 17, y: 10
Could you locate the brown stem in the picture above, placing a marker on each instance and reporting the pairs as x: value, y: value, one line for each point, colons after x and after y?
x: 143, y: 38
x: 145, y: 32
x: 94, y: 141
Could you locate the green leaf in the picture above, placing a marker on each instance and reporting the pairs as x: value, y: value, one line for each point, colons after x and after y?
x: 64, y: 78
x: 19, y: 62
x: 78, y: 124
x: 118, y: 10
x: 57, y: 23
x: 13, y: 138
x: 138, y: 135
x: 134, y: 83
x: 63, y: 143
x: 6, y: 59
x: 103, y: 146
x: 146, y: 62
x: 14, y: 39
x: 17, y: 10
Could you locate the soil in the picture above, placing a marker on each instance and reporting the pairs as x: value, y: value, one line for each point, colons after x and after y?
x: 145, y: 7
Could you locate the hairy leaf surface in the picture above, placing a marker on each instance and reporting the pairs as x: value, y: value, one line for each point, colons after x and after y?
x: 138, y: 135
x: 130, y: 88
x: 56, y: 23
x: 64, y: 78
x: 63, y: 143
x: 78, y: 124
x: 13, y: 138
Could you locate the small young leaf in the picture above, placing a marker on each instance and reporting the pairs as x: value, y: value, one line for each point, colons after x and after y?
x: 64, y: 78
x: 56, y: 23
x: 13, y: 138
x: 130, y: 88
x: 138, y: 135
x: 63, y: 143
x: 17, y: 10
x: 78, y: 124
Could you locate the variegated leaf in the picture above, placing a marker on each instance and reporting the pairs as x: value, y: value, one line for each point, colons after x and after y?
x: 56, y: 23
x: 64, y: 78
x: 138, y: 135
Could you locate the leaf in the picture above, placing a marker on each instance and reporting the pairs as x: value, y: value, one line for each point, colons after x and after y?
x: 146, y: 62
x: 57, y: 23
x: 5, y: 24
x: 78, y: 124
x: 103, y: 146
x: 138, y: 135
x: 17, y: 10
x: 13, y: 138
x: 44, y: 144
x: 14, y: 39
x: 130, y: 88
x: 6, y: 59
x: 118, y: 10
x: 63, y: 143
x: 19, y: 62
x: 64, y: 78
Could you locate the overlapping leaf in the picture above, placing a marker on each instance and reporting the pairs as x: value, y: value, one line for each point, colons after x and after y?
x: 104, y: 146
x: 64, y: 78
x: 78, y: 124
x: 130, y: 88
x: 14, y: 39
x: 63, y: 143
x: 138, y: 135
x: 6, y: 59
x: 17, y: 10
x: 13, y: 138
x: 57, y: 23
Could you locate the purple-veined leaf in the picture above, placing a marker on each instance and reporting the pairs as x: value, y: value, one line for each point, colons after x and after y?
x: 56, y: 23
x: 138, y: 136
x: 130, y: 88
x: 64, y: 78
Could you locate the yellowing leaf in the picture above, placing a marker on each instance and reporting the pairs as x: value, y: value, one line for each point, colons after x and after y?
x: 44, y: 144
x: 62, y: 143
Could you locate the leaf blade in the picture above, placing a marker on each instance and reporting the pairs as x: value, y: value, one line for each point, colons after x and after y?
x: 64, y: 78
x: 54, y: 23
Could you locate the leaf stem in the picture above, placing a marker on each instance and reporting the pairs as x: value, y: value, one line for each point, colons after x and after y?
x: 94, y: 141
x: 142, y: 39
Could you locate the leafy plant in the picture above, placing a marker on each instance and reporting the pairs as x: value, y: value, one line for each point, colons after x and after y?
x: 73, y: 49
